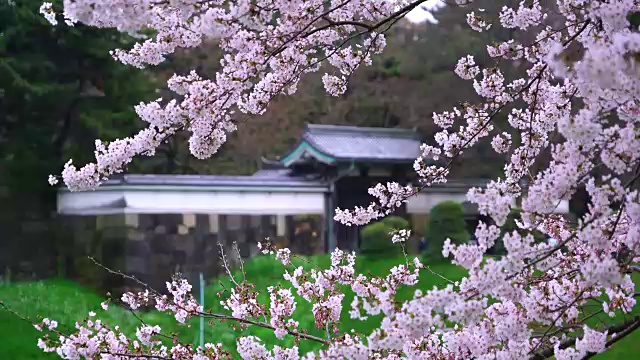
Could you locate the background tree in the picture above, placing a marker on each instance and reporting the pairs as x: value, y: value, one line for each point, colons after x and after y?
x: 376, y: 238
x: 533, y: 303
x: 403, y: 88
x: 59, y: 91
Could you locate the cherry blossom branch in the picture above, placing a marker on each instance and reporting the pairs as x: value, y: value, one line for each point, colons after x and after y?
x: 553, y: 323
x: 214, y: 315
x: 135, y: 355
x: 123, y: 275
x: 561, y: 244
x: 621, y: 331
x: 264, y: 325
x: 267, y: 49
x: 631, y: 326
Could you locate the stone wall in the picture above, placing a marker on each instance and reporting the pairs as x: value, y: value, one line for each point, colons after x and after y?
x: 153, y: 247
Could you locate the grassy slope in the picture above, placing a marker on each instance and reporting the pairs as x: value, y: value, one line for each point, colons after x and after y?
x: 67, y: 302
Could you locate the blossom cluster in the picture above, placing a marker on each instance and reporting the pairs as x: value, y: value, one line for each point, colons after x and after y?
x: 94, y: 338
x: 269, y: 45
x: 571, y: 123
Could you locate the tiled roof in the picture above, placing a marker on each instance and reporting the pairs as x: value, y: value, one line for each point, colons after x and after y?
x: 272, y: 173
x: 262, y: 179
x: 333, y: 143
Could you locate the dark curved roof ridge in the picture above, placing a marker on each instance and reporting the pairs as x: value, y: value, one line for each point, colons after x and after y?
x: 280, y: 179
x: 369, y: 131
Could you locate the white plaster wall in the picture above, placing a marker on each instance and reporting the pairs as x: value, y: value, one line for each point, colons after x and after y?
x: 424, y: 202
x: 219, y: 202
x: 192, y: 202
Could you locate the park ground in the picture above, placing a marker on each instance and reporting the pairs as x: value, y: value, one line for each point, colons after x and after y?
x: 68, y: 302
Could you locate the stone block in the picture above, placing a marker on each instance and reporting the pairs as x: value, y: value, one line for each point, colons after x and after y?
x: 114, y: 220
x: 160, y: 244
x: 234, y: 222
x: 281, y: 225
x: 255, y: 221
x: 135, y: 235
x: 136, y: 264
x: 131, y: 220
x: 169, y: 219
x: 161, y: 261
x: 183, y: 229
x: 253, y: 249
x: 179, y: 258
x: 245, y: 250
x: 138, y: 248
x: 160, y: 229
x: 100, y: 222
x: 202, y: 223
x: 114, y: 232
x: 146, y: 221
x: 241, y: 237
x: 189, y: 220
x: 181, y: 242
x: 214, y: 226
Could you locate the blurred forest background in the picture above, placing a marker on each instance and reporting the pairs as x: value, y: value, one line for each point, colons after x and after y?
x: 60, y: 90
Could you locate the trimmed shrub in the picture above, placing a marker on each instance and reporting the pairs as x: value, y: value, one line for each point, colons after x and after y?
x: 396, y: 222
x: 446, y: 220
x: 376, y: 240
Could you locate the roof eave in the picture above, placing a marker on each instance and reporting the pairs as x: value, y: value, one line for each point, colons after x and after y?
x: 284, y: 187
x: 307, y: 147
x: 378, y: 160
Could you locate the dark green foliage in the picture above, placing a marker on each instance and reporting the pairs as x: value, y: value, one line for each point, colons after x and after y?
x: 60, y: 90
x: 396, y: 222
x: 446, y: 220
x: 376, y: 240
x: 634, y: 19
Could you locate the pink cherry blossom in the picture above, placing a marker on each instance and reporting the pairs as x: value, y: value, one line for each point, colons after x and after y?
x: 570, y: 124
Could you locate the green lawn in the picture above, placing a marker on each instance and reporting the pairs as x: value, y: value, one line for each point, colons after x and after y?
x: 68, y: 302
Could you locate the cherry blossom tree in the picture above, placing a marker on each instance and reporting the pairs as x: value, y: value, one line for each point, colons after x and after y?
x: 579, y: 102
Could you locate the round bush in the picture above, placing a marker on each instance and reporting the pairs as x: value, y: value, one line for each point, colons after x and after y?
x: 446, y: 220
x: 376, y: 240
x: 396, y: 222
